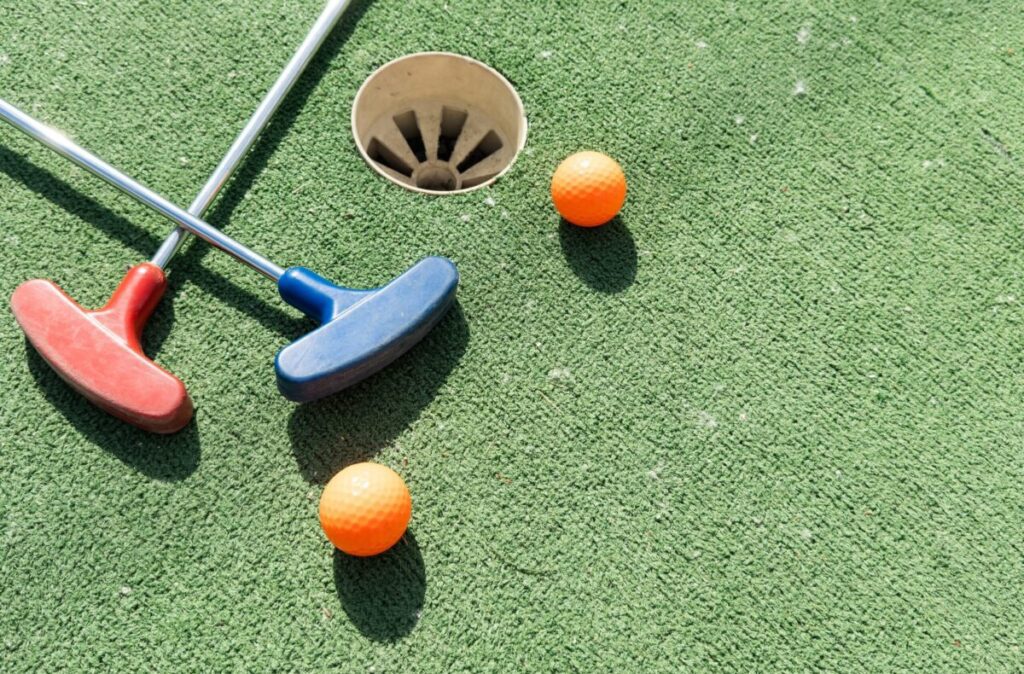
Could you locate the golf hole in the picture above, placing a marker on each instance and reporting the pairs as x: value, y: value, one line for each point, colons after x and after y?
x: 438, y: 123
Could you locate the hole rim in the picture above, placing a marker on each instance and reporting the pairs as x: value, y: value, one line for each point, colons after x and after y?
x: 517, y: 143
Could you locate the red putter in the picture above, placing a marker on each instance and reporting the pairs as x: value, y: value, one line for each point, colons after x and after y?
x: 99, y: 353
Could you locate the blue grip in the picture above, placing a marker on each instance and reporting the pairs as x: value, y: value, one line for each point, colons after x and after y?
x: 314, y: 295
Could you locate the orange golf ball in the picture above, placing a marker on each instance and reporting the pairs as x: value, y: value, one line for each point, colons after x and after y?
x: 365, y: 509
x: 588, y: 189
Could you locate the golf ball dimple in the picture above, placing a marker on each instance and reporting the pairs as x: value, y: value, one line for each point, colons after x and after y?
x: 588, y: 189
x: 365, y: 509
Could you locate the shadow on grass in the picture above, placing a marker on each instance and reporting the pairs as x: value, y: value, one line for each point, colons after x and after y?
x: 161, y: 457
x: 383, y: 595
x: 89, y: 210
x: 353, y: 425
x: 602, y: 257
x: 173, y: 457
x: 275, y: 132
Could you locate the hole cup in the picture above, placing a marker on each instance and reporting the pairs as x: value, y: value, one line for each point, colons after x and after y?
x: 438, y: 123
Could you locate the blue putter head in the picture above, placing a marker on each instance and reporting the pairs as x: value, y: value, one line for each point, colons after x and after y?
x: 361, y: 331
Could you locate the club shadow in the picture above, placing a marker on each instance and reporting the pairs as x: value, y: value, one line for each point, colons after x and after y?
x: 383, y: 595
x: 65, y: 196
x: 89, y: 210
x: 275, y: 132
x: 602, y: 257
x: 169, y: 458
x: 353, y: 425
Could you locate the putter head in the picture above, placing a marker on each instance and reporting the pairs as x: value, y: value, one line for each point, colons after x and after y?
x: 361, y: 331
x: 99, y: 353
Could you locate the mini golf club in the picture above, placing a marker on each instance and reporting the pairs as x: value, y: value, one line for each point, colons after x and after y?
x: 361, y: 330
x: 105, y: 362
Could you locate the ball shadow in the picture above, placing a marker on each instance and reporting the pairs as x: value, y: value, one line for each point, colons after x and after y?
x: 161, y: 457
x: 383, y: 595
x: 602, y: 257
x: 356, y: 423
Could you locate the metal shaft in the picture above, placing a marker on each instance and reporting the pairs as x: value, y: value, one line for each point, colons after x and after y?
x: 61, y: 144
x: 316, y: 36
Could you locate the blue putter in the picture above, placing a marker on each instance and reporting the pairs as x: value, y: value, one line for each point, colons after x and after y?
x: 361, y: 330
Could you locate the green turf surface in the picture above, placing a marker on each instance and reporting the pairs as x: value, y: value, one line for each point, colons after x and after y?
x: 770, y: 420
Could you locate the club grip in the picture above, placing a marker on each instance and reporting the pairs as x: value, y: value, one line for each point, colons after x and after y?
x: 134, y: 301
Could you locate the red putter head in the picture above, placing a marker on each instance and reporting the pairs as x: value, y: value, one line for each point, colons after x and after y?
x: 99, y: 353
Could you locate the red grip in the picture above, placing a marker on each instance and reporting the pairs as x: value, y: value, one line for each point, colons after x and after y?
x: 133, y: 302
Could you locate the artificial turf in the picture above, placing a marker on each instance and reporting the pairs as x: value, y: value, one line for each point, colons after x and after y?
x: 771, y: 419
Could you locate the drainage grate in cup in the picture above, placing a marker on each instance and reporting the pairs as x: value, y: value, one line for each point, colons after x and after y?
x: 438, y: 123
